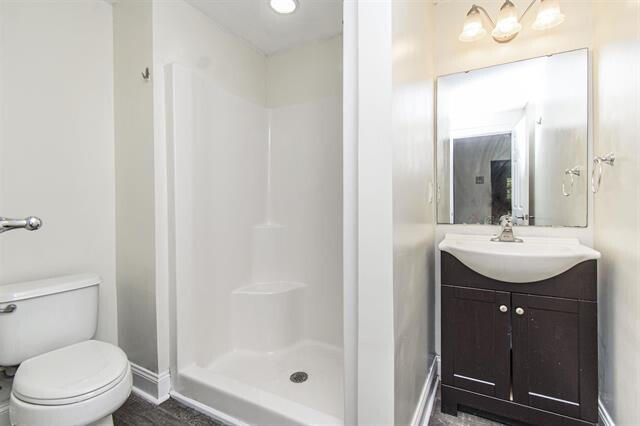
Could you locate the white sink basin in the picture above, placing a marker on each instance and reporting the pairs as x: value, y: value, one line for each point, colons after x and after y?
x: 535, y: 259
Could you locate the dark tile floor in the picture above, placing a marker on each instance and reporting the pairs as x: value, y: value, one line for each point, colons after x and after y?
x: 138, y: 412
x: 438, y: 418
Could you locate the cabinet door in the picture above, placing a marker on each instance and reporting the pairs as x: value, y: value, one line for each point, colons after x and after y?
x: 476, y: 340
x: 555, y: 355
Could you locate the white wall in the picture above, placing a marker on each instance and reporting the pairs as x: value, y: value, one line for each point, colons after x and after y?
x: 374, y: 209
x: 413, y: 209
x: 350, y: 210
x: 388, y: 166
x: 453, y: 56
x: 135, y: 182
x: 617, y: 206
x: 57, y: 144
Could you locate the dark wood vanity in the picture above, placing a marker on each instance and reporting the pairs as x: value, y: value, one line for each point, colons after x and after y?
x: 521, y: 351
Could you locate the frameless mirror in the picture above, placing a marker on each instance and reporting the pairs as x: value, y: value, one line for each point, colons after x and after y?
x: 512, y: 139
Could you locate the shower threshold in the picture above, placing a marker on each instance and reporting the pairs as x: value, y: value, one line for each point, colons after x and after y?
x: 256, y: 388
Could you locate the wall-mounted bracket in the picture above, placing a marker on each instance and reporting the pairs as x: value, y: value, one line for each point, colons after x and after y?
x: 597, y: 172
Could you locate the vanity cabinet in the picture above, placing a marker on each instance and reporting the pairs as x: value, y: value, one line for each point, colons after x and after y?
x: 476, y: 335
x: 524, y: 351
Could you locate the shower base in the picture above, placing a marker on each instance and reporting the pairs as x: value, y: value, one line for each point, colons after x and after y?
x: 256, y: 388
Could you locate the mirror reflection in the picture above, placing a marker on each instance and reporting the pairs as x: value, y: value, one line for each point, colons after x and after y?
x: 512, y: 139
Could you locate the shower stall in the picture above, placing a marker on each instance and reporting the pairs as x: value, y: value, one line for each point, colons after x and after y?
x: 255, y: 196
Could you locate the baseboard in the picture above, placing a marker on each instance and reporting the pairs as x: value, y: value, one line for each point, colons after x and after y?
x: 208, y: 411
x: 4, y: 414
x: 154, y: 387
x: 433, y: 393
x: 603, y: 414
x: 427, y: 397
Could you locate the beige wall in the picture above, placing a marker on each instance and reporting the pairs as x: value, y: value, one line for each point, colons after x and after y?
x: 134, y: 153
x: 57, y: 144
x: 184, y: 35
x: 305, y: 73
x: 617, y: 206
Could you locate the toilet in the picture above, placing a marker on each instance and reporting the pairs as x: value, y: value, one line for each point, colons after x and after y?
x: 63, y: 378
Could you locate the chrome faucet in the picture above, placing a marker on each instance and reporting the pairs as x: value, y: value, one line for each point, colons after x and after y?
x: 506, y: 235
x: 30, y: 223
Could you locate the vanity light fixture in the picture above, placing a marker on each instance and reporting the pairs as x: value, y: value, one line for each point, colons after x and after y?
x: 473, y: 29
x: 549, y: 15
x: 508, y: 24
x: 283, y: 7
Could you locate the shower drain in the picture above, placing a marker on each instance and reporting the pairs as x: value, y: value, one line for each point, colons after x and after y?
x: 299, y: 377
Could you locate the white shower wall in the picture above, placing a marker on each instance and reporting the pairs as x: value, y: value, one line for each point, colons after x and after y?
x: 230, y: 234
x: 255, y: 210
x: 305, y: 102
x: 184, y: 35
x: 306, y: 177
x: 220, y: 162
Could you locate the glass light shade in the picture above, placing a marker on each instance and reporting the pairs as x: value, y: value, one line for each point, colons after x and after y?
x: 507, y: 25
x: 549, y: 15
x: 473, y: 29
x: 283, y: 6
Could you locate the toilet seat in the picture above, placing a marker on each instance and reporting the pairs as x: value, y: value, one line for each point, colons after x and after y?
x: 70, y: 374
x: 74, y: 385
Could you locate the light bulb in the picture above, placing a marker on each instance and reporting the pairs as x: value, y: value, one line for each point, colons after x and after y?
x: 473, y: 29
x: 283, y: 6
x: 549, y: 15
x: 507, y: 25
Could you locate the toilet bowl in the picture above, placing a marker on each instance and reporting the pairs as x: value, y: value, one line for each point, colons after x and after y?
x: 76, y: 385
x: 63, y: 377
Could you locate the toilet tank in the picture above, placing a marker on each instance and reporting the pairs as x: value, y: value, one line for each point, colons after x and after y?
x: 48, y: 314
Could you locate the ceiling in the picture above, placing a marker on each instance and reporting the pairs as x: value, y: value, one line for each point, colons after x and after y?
x: 256, y: 22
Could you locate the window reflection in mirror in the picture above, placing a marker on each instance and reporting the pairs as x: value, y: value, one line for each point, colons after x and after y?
x: 507, y: 136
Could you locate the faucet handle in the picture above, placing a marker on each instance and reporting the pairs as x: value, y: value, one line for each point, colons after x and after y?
x: 32, y: 223
x: 506, y: 220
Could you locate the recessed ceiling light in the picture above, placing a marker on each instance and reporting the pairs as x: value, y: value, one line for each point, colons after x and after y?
x: 283, y: 6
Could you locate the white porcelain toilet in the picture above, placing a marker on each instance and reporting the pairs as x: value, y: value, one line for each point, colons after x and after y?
x: 63, y: 378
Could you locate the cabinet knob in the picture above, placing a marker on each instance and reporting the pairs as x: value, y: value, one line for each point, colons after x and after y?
x: 503, y: 308
x: 519, y: 311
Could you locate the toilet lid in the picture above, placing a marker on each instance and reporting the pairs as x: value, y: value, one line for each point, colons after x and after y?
x: 70, y: 374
